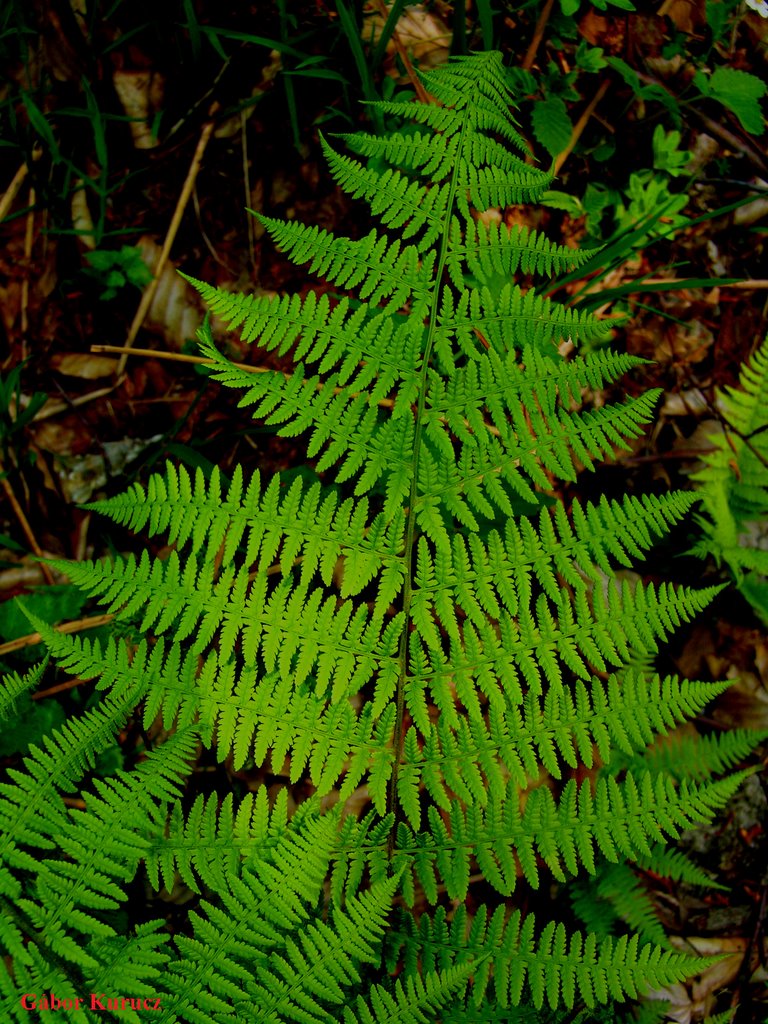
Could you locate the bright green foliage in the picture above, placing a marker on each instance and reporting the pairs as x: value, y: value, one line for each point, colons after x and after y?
x: 425, y: 631
x: 734, y: 483
x: 116, y: 268
x: 740, y: 92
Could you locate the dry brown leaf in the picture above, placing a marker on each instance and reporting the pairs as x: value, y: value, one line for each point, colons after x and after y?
x: 22, y: 576
x: 83, y: 365
x: 426, y: 38
x: 82, y: 220
x: 54, y: 436
x: 687, y: 15
x: 141, y: 94
x: 175, y: 308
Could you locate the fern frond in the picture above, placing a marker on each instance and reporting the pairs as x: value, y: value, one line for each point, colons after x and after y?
x: 436, y: 666
x: 13, y: 686
x: 135, y: 963
x: 214, y: 840
x: 734, y: 479
x: 32, y: 813
x: 491, y: 252
x: 676, y: 866
x: 260, y: 910
x: 413, y: 1002
x: 472, y: 759
x: 685, y: 756
x: 36, y: 974
x: 306, y: 526
x: 103, y: 846
x: 550, y: 968
x: 323, y: 963
x: 374, y: 267
x: 620, y: 819
x: 614, y: 899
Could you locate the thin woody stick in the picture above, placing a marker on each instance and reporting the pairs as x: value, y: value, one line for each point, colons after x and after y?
x: 29, y: 238
x: 177, y: 357
x: 538, y: 35
x: 402, y: 53
x: 13, y: 190
x: 24, y: 523
x: 178, y: 213
x: 67, y: 627
x: 53, y: 408
x: 580, y: 125
x: 747, y: 284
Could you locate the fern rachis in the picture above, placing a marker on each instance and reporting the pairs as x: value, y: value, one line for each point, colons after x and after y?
x: 396, y: 631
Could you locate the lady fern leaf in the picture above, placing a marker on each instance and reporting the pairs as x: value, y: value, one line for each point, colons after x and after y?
x: 425, y: 634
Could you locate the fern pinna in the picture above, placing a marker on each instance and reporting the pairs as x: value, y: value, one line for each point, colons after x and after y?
x: 418, y: 632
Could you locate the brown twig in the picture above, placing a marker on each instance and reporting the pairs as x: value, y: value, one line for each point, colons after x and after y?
x: 29, y: 237
x: 402, y: 53
x: 13, y: 190
x: 180, y: 357
x: 178, y: 213
x: 755, y: 157
x: 580, y: 125
x: 176, y: 357
x: 247, y: 187
x: 76, y: 626
x: 24, y: 523
x: 747, y: 284
x: 538, y: 35
x: 752, y: 154
x: 52, y: 408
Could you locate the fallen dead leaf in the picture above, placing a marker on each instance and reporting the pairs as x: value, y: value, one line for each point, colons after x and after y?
x: 83, y: 365
x: 425, y: 36
x: 141, y: 94
x: 696, y: 1000
x: 175, y: 308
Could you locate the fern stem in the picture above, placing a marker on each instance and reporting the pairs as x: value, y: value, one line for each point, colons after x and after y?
x: 410, y: 535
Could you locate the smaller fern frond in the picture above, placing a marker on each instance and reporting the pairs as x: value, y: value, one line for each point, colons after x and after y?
x: 675, y: 865
x: 733, y: 482
x: 13, y: 685
x: 685, y: 755
x: 103, y: 846
x: 414, y: 1001
x: 256, y: 920
x: 321, y: 963
x: 617, y: 898
x: 32, y: 812
x: 516, y: 966
x: 134, y: 963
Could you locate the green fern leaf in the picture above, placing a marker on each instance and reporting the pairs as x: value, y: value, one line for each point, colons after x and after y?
x: 424, y: 636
